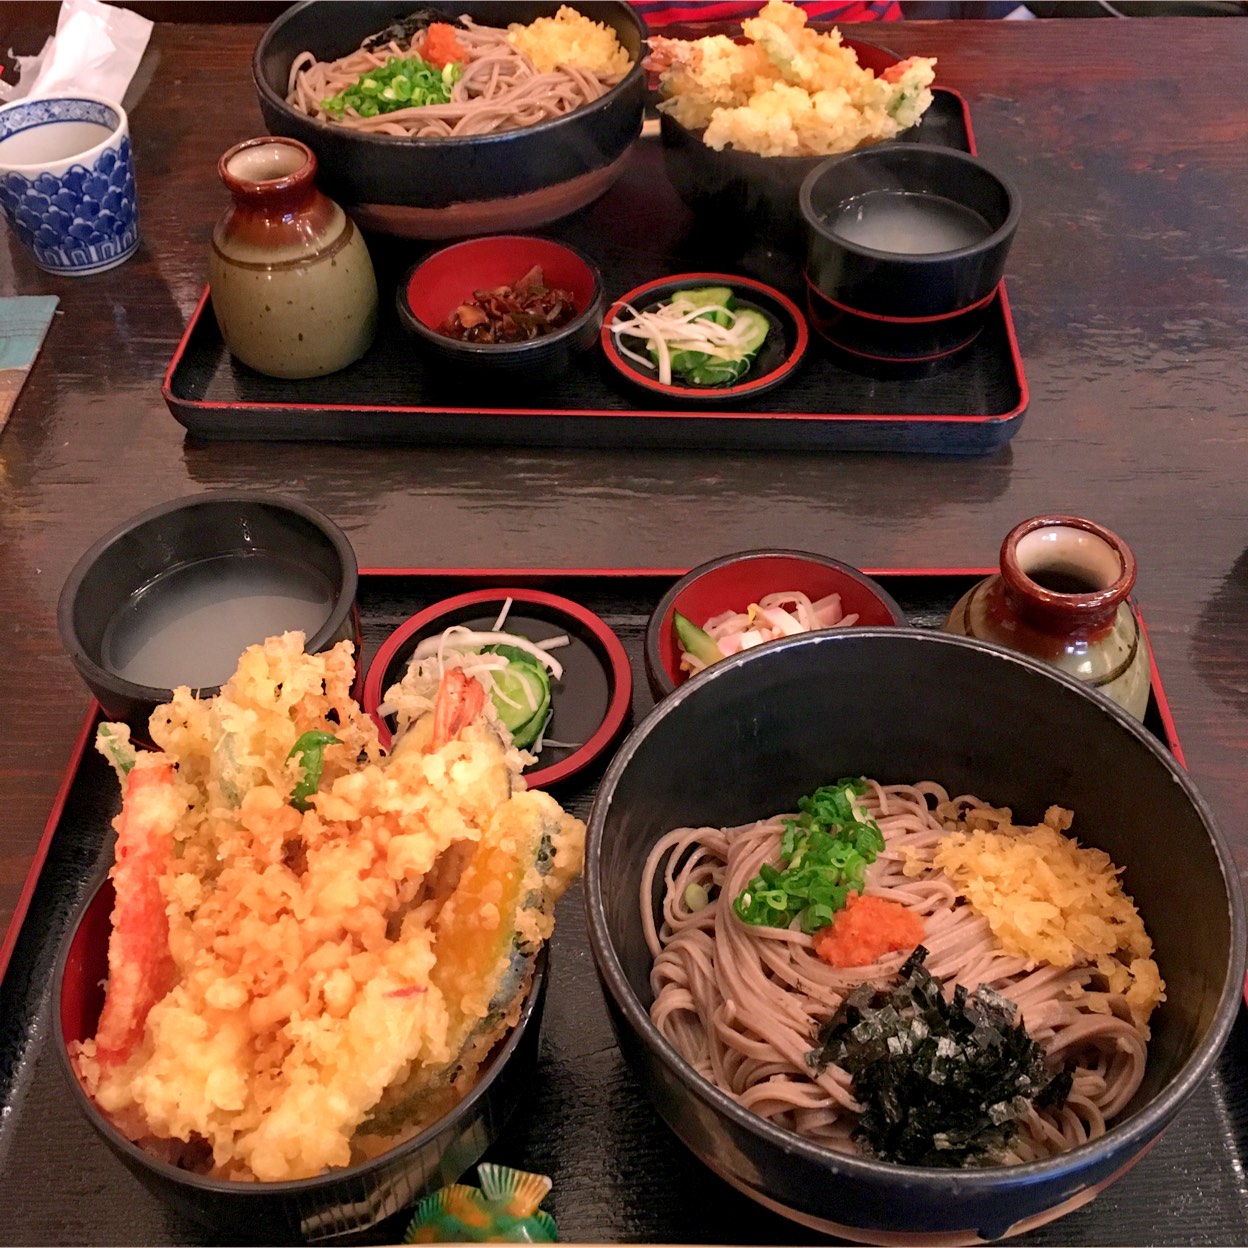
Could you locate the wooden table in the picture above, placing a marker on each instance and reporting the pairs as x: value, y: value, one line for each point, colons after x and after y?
x: 1129, y: 280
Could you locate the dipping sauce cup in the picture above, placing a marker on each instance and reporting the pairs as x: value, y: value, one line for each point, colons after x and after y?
x: 67, y: 182
x: 905, y: 247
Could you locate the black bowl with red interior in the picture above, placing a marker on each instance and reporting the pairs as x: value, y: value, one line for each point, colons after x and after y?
x: 590, y: 702
x: 777, y: 359
x: 734, y: 582
x: 906, y: 247
x: 339, y: 1201
x: 439, y: 284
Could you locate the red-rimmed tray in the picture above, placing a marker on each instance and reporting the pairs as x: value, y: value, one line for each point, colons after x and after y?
x: 969, y: 404
x: 619, y: 1173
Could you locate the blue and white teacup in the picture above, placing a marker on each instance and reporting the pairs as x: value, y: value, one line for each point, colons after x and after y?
x: 67, y: 182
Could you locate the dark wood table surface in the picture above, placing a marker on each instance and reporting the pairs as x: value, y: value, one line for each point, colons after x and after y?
x: 1129, y: 281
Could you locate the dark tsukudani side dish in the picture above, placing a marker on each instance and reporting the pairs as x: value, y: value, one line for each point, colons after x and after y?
x: 527, y: 309
x: 502, y: 310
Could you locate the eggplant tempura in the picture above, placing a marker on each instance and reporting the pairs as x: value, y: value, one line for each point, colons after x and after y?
x: 315, y: 944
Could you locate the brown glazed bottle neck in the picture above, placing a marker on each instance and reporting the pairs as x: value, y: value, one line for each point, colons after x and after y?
x: 1066, y: 576
x: 272, y: 181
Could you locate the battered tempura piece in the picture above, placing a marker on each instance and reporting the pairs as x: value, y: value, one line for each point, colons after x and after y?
x: 789, y: 91
x: 293, y: 953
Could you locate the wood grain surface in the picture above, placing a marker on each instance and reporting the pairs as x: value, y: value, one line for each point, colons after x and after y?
x: 1129, y: 282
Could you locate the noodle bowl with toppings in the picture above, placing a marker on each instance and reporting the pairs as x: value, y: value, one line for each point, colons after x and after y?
x: 457, y: 78
x: 489, y: 164
x: 781, y: 944
x: 911, y: 708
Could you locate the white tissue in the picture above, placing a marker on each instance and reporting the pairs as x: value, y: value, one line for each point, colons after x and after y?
x: 96, y: 49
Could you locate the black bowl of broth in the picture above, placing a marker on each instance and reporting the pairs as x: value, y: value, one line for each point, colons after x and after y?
x: 173, y: 596
x: 906, y: 247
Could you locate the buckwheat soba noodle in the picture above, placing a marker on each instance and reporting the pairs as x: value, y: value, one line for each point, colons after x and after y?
x: 499, y: 87
x: 752, y: 1007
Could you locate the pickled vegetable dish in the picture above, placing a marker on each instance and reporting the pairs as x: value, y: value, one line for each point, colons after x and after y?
x: 700, y: 337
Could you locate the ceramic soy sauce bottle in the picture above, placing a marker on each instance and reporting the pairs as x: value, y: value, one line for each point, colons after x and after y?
x: 1061, y: 596
x: 292, y: 283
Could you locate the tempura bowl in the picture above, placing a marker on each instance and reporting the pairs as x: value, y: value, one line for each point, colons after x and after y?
x: 742, y: 197
x: 456, y: 187
x: 338, y: 1202
x: 746, y: 738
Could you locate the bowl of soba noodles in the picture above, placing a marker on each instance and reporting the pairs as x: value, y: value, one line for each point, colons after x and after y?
x: 457, y: 119
x: 896, y: 930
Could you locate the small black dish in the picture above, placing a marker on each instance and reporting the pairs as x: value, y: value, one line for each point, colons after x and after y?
x: 446, y: 188
x: 882, y: 342
x: 589, y: 705
x: 436, y: 285
x: 777, y: 359
x: 337, y: 1203
x: 183, y: 588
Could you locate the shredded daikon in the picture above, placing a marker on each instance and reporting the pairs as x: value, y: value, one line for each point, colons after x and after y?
x: 458, y: 637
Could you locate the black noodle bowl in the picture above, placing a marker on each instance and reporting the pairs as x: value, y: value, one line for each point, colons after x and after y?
x: 902, y: 705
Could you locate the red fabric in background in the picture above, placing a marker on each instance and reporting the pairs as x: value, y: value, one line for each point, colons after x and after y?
x: 662, y: 12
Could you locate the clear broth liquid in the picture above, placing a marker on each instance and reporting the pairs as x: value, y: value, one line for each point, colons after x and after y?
x: 189, y: 626
x: 907, y: 223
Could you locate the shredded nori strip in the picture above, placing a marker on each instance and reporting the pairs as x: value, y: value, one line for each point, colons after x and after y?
x: 404, y: 29
x: 943, y: 1083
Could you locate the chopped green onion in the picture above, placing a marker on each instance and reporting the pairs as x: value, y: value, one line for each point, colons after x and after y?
x: 113, y: 741
x: 824, y: 852
x: 403, y: 82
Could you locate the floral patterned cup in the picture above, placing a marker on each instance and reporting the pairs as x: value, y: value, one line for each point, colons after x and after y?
x: 67, y: 182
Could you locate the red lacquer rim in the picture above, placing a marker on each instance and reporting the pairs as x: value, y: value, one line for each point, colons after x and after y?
x: 619, y: 669
x: 900, y: 359
x: 639, y: 294
x: 814, y: 291
x: 85, y: 736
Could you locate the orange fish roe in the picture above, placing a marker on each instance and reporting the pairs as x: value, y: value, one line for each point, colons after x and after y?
x: 441, y: 46
x: 865, y: 930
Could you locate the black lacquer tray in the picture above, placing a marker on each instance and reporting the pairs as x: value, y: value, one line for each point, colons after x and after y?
x: 619, y: 1173
x: 968, y: 404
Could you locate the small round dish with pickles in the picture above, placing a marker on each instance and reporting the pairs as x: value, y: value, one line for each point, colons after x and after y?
x: 705, y: 338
